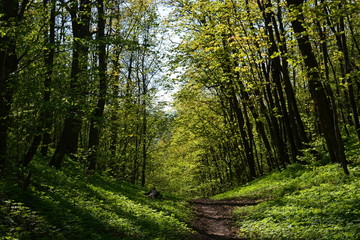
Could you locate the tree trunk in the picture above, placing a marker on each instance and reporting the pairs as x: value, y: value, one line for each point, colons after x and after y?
x: 115, y: 105
x: 44, y: 119
x: 80, y: 19
x: 97, y: 114
x: 326, y: 112
x: 350, y: 80
x: 49, y: 62
x: 144, y: 141
x: 347, y: 67
x: 260, y: 128
x: 250, y: 160
x: 295, y: 118
x: 276, y: 77
x: 277, y: 140
x: 9, y: 18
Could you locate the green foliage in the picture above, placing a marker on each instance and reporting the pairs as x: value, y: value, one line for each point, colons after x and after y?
x: 69, y: 204
x: 185, y: 161
x: 233, y: 95
x: 305, y: 203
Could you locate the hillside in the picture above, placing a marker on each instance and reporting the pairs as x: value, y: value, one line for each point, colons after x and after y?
x: 69, y: 204
x: 301, y: 202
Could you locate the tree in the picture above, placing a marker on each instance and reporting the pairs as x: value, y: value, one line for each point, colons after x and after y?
x: 97, y: 113
x: 44, y: 118
x: 11, y: 15
x: 80, y: 20
x: 327, y: 112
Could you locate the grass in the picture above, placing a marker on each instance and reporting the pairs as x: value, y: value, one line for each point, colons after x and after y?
x: 69, y: 204
x: 303, y: 202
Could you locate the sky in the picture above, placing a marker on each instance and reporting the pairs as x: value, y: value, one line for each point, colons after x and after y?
x: 172, y: 39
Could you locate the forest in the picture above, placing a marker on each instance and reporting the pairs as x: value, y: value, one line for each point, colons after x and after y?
x: 102, y: 100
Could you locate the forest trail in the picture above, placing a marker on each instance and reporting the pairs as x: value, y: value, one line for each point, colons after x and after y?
x: 213, y: 218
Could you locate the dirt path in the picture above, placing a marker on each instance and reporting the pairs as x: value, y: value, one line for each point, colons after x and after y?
x: 213, y: 218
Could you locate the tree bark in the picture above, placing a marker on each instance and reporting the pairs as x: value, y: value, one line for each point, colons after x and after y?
x: 276, y: 68
x: 97, y: 114
x: 326, y: 112
x: 80, y: 19
x: 49, y: 62
x: 250, y: 160
x: 346, y: 68
x: 350, y: 80
x: 115, y: 105
x: 295, y: 118
x: 10, y: 16
x: 44, y: 118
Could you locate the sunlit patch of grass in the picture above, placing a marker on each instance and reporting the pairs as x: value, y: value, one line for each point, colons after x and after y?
x: 274, y: 184
x: 315, y: 203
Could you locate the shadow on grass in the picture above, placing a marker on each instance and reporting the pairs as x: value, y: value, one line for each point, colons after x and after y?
x: 109, y: 212
x: 66, y: 220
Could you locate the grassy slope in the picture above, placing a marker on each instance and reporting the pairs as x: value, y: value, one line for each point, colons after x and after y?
x: 304, y: 202
x: 68, y: 204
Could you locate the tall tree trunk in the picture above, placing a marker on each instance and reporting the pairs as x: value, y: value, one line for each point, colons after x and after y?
x: 295, y: 118
x: 9, y: 65
x: 144, y: 140
x: 115, y: 105
x: 144, y: 124
x: 10, y: 17
x: 250, y: 160
x: 326, y: 112
x: 80, y: 19
x: 260, y: 128
x: 346, y: 68
x: 250, y: 136
x: 277, y: 140
x: 97, y: 114
x: 44, y: 118
x: 231, y: 92
x: 49, y: 62
x: 276, y: 78
x: 350, y: 80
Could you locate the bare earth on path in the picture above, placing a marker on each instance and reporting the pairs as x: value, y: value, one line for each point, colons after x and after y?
x: 213, y: 218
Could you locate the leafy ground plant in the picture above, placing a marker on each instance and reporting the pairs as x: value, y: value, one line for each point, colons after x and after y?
x: 306, y: 203
x: 69, y: 204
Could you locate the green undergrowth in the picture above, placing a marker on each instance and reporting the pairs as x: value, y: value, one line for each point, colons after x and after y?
x: 301, y: 202
x: 70, y: 204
